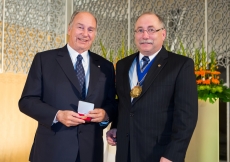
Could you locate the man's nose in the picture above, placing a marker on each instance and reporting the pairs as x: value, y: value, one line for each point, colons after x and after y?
x: 145, y: 34
x: 85, y: 32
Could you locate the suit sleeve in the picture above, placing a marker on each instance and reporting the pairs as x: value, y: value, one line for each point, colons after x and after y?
x: 31, y: 102
x: 111, y: 105
x: 185, y: 112
x: 115, y: 119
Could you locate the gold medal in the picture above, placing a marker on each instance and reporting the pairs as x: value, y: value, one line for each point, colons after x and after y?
x: 136, y: 91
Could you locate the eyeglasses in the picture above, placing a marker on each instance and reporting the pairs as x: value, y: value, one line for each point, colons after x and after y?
x: 149, y: 31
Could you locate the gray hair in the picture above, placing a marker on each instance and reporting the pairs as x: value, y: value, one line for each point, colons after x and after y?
x: 152, y: 13
x: 77, y: 12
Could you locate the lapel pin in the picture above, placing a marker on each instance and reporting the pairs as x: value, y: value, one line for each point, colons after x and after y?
x: 159, y: 65
x: 98, y: 66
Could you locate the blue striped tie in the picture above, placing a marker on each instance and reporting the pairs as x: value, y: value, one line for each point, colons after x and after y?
x: 80, y: 75
x: 145, y: 60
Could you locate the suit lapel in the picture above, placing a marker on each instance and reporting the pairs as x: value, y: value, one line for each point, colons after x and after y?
x: 94, y: 73
x: 126, y: 75
x: 157, y: 66
x: 65, y: 62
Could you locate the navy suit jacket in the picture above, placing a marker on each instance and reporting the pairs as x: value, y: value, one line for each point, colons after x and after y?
x: 159, y: 122
x: 52, y: 85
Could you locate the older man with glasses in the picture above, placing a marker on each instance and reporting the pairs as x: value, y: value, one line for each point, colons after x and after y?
x: 158, y: 101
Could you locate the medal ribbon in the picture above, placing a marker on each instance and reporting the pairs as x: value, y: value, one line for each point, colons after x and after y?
x: 141, y: 74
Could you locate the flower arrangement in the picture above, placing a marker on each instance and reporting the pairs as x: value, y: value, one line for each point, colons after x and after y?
x: 209, y: 84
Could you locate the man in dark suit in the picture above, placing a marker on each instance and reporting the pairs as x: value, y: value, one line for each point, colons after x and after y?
x: 158, y: 101
x: 54, y: 88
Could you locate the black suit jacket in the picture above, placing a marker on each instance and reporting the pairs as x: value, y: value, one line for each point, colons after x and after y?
x: 52, y: 85
x: 160, y: 122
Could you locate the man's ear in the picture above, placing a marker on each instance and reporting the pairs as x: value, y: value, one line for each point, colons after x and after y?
x: 164, y: 34
x: 68, y: 31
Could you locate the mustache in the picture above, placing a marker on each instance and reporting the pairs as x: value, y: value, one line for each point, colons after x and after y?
x: 82, y: 38
x: 146, y: 41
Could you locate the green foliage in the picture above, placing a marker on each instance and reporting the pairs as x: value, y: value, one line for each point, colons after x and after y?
x: 213, y: 92
x: 115, y: 56
x: 182, y: 50
x: 103, y: 49
x: 166, y: 45
x: 203, y: 58
x: 197, y: 59
x: 213, y: 61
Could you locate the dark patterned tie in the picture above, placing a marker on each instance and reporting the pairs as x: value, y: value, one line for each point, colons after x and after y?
x: 80, y: 75
x: 145, y: 60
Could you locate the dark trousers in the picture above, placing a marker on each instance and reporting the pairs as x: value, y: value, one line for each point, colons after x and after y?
x: 78, y: 158
x: 129, y: 158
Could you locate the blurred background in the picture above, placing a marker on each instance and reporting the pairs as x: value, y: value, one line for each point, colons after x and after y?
x: 31, y: 26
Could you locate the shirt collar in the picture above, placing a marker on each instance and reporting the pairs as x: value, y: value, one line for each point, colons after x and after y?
x: 151, y: 57
x: 74, y: 54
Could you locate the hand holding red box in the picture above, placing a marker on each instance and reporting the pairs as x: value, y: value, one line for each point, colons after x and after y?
x: 87, y: 119
x: 84, y: 108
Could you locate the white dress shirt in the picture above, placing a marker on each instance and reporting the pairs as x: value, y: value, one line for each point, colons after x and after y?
x: 85, y: 63
x: 133, y: 78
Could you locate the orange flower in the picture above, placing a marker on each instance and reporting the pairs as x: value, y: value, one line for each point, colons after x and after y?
x: 202, y: 73
x: 197, y: 72
x: 199, y: 81
x: 215, y: 72
x: 208, y: 72
x: 206, y: 81
x: 215, y: 81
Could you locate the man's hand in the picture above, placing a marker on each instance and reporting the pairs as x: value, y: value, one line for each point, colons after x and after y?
x: 98, y: 115
x: 69, y: 118
x: 111, y: 136
x: 164, y: 160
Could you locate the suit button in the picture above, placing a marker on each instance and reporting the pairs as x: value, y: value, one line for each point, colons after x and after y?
x: 131, y: 114
x: 127, y: 135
